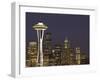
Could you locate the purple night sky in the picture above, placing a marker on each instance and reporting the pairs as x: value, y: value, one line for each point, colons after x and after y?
x: 74, y: 27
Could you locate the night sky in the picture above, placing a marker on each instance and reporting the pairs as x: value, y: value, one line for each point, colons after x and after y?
x: 74, y: 27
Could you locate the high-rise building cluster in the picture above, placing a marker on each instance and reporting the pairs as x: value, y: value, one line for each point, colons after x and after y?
x: 55, y: 54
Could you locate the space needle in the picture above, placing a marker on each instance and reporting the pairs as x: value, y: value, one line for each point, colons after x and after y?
x: 40, y: 27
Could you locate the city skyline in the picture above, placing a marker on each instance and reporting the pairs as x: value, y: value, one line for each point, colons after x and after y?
x: 74, y: 27
x: 55, y: 55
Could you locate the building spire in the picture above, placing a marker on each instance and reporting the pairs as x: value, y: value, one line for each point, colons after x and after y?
x: 66, y: 43
x: 66, y: 39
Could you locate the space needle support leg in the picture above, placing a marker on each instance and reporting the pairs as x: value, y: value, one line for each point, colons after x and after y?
x: 38, y: 48
x: 41, y: 54
x: 41, y: 47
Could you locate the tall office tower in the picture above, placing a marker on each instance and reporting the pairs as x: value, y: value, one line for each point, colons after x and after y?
x: 40, y: 28
x: 47, y: 40
x: 66, y: 43
x: 66, y: 53
x: 47, y: 46
x: 72, y: 56
x: 31, y: 54
x: 78, y: 55
x: 57, y: 54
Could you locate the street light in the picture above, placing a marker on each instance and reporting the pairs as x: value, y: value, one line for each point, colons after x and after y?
x: 40, y: 27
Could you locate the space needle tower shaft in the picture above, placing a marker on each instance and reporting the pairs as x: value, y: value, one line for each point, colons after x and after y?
x: 40, y: 28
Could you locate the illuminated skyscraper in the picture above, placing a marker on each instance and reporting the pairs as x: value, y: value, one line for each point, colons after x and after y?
x: 57, y: 54
x: 40, y: 27
x: 78, y: 55
x: 31, y: 54
x: 66, y: 52
x: 66, y: 43
x: 72, y: 56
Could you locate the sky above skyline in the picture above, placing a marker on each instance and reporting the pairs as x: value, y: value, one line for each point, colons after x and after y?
x: 74, y: 27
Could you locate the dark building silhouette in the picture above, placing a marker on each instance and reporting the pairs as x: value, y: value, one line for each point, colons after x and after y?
x: 47, y: 49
